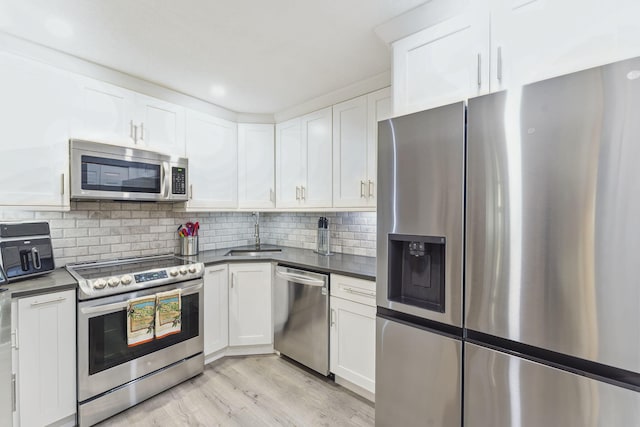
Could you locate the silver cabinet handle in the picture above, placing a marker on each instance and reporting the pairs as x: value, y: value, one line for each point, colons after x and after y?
x: 362, y: 189
x: 353, y: 291
x: 131, y: 130
x: 135, y: 134
x: 333, y: 317
x: 233, y: 279
x: 51, y: 301
x: 190, y: 191
x: 62, y: 184
x: 297, y: 193
x: 303, y: 193
x: 141, y: 131
x: 479, y: 71
x: 271, y: 194
x: 370, y: 188
x: 14, y: 340
x: 13, y: 393
x: 499, y: 73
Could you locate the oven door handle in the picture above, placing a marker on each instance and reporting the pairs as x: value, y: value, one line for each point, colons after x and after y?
x: 117, y: 306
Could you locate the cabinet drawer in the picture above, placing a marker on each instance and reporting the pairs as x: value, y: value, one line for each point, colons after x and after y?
x: 352, y: 289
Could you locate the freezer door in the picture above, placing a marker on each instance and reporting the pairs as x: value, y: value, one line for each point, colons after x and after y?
x: 553, y: 202
x: 420, y: 213
x: 418, y: 377
x: 502, y: 390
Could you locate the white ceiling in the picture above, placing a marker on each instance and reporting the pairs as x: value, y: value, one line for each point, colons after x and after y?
x: 265, y: 56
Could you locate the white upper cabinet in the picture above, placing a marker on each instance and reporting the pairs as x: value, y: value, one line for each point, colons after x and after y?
x: 36, y: 107
x: 350, y: 178
x: 108, y: 113
x: 303, y: 161
x: 316, y: 188
x: 160, y: 125
x: 213, y: 162
x: 355, y: 135
x: 536, y: 39
x: 444, y: 63
x: 289, y: 163
x: 256, y: 164
x: 497, y: 44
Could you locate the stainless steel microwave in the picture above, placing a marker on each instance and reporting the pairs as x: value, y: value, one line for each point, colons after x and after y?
x: 112, y: 172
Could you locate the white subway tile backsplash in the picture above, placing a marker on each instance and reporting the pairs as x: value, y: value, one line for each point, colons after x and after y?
x: 105, y: 230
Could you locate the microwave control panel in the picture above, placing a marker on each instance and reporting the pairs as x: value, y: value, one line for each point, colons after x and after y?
x: 178, y: 180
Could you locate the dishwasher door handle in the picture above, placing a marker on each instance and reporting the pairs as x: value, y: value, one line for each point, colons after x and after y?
x: 300, y: 279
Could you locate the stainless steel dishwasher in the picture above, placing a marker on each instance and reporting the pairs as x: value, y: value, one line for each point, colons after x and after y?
x: 301, y: 317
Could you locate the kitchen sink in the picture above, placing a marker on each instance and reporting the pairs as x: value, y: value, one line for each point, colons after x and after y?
x: 253, y: 252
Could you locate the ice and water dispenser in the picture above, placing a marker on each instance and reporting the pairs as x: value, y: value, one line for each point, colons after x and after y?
x: 416, y: 271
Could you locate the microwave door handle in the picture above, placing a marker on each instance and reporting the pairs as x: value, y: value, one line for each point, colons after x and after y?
x: 166, y: 184
x: 35, y: 254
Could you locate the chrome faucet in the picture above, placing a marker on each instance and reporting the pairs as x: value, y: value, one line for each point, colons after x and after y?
x: 256, y: 229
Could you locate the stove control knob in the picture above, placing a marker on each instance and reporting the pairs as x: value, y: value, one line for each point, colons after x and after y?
x: 173, y: 272
x: 113, y: 282
x: 193, y: 268
x: 126, y: 279
x: 183, y: 270
x: 99, y: 284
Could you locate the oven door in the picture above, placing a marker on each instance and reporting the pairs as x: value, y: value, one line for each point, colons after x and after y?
x: 105, y: 361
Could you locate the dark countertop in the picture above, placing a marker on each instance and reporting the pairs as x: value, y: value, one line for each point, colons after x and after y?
x: 55, y: 281
x: 349, y: 265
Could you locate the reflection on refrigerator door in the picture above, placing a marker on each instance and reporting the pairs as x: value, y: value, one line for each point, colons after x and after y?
x: 418, y: 377
x: 502, y: 390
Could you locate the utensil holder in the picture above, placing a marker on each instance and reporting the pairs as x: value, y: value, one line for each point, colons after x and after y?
x: 189, y: 245
x: 324, y: 242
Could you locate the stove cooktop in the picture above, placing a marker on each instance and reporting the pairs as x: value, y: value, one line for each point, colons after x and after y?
x: 103, y: 278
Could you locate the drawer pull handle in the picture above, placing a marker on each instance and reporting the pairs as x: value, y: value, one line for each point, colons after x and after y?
x: 51, y: 301
x: 353, y: 291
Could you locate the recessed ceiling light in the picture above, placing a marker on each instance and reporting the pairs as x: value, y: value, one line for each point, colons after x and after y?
x: 58, y: 28
x: 218, y: 91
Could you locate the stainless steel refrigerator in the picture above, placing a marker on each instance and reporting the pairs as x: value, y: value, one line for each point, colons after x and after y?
x: 419, y: 268
x: 552, y: 270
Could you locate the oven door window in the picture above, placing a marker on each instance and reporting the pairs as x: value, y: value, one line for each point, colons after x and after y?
x: 108, y: 337
x: 99, y: 173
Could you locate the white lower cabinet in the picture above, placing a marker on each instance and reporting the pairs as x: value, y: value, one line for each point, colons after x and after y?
x: 353, y: 332
x: 216, y: 308
x: 250, y: 311
x: 44, y: 359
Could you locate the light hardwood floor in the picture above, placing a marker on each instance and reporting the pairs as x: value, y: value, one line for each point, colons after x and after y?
x: 251, y: 391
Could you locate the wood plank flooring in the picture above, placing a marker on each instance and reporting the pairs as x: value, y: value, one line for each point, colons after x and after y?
x: 251, y: 391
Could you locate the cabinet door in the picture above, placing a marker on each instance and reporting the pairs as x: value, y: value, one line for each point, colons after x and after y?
x: 160, y: 125
x: 353, y: 342
x: 216, y: 308
x: 250, y: 319
x: 35, y: 107
x: 350, y: 144
x: 47, y: 358
x: 103, y: 112
x: 445, y: 63
x: 256, y: 166
x: 378, y: 108
x: 535, y: 39
x: 213, y: 162
x: 316, y: 138
x: 289, y: 164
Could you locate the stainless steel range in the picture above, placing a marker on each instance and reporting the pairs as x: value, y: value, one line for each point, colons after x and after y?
x: 114, y: 375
